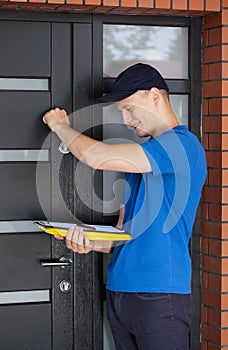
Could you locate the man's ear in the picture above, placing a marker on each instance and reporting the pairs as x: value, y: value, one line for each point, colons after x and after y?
x: 155, y: 94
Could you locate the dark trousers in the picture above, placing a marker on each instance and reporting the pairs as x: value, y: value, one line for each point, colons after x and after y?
x: 149, y: 321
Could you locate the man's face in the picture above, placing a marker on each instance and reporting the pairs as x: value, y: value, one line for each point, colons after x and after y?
x: 135, y: 116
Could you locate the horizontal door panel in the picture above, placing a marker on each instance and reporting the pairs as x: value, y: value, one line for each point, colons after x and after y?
x: 25, y: 49
x: 21, y: 119
x: 22, y: 192
x: 20, y: 257
x: 25, y: 327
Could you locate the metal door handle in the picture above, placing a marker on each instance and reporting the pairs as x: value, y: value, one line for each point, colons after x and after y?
x: 64, y: 262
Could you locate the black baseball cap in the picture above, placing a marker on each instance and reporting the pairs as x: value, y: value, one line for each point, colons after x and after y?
x: 140, y: 76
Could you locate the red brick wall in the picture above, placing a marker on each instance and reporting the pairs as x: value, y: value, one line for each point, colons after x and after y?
x: 215, y: 195
x: 167, y: 7
x: 215, y: 137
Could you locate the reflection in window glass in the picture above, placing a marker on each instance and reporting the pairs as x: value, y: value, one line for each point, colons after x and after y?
x: 179, y: 105
x: 165, y: 48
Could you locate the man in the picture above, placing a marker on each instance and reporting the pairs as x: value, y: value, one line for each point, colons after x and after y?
x: 149, y: 278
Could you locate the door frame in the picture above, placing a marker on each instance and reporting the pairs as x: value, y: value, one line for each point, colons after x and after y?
x: 88, y: 268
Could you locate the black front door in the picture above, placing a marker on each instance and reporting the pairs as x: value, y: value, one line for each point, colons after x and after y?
x: 43, y: 64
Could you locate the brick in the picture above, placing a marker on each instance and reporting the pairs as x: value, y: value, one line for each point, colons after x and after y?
x: 215, y: 104
x: 224, y: 108
x: 215, y: 141
x: 214, y: 317
x: 211, y: 264
x: 205, y: 211
x: 212, y: 229
x: 212, y: 124
x: 224, y: 17
x: 56, y: 1
x: 196, y: 5
x: 205, y: 279
x: 212, y: 89
x: 93, y: 2
x: 224, y: 35
x: 205, y: 106
x: 224, y: 139
x: 212, y: 5
x: 224, y: 52
x: 224, y: 159
x: 224, y: 270
x: 212, y: 194
x: 205, y: 141
x: 224, y: 337
x: 111, y: 2
x: 205, y: 37
x: 215, y: 177
x: 179, y: 4
x: 205, y: 71
x: 224, y: 124
x: 204, y: 314
x: 215, y: 248
x: 76, y: 2
x: 36, y: 1
x: 215, y: 36
x: 146, y: 3
x: 224, y: 247
x: 212, y: 21
x: 128, y: 3
x: 224, y: 177
x: 215, y: 71
x: 163, y: 4
x: 212, y: 54
x: 211, y: 299
x: 214, y: 159
x: 224, y: 319
x: 224, y: 67
x: 224, y: 285
x: 203, y: 345
x: 214, y: 281
x: 224, y: 231
x: 205, y: 247
x: 224, y: 3
x: 224, y: 212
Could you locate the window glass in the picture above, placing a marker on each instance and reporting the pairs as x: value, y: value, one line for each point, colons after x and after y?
x: 165, y: 48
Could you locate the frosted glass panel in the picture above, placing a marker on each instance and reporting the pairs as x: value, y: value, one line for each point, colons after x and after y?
x: 24, y: 155
x: 33, y: 296
x: 179, y: 105
x: 18, y: 226
x: 24, y: 84
x: 165, y: 48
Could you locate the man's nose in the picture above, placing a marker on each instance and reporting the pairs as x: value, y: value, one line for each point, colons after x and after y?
x: 126, y: 117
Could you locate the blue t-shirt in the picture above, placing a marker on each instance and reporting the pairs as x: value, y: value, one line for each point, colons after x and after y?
x: 160, y: 208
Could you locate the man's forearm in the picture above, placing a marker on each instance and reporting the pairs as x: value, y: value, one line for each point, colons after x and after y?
x: 80, y: 145
x: 104, y: 247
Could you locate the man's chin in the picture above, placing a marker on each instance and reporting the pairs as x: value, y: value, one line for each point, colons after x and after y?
x: 141, y: 133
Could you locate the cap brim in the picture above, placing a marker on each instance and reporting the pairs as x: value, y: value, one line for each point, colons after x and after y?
x: 115, y: 96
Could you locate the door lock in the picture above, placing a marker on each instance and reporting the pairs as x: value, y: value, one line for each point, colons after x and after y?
x: 65, y: 262
x: 65, y: 286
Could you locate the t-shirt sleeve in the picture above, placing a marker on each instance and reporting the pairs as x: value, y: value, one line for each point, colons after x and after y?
x: 167, y: 155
